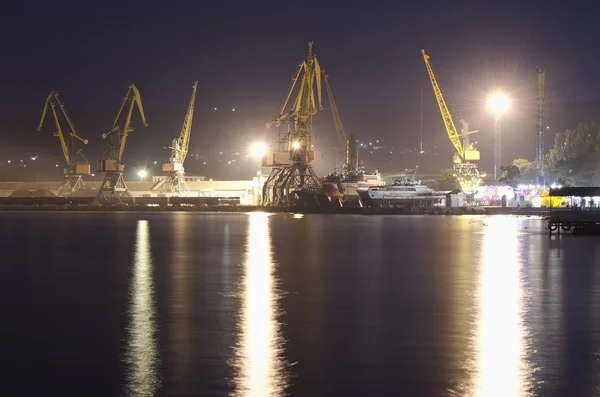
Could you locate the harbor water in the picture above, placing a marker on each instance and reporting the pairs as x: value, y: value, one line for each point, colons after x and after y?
x: 184, y: 304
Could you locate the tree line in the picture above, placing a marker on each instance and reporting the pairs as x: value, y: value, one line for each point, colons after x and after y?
x: 573, y: 160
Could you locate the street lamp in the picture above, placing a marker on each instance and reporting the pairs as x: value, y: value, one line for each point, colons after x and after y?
x: 498, y: 103
x: 258, y: 150
x: 142, y: 174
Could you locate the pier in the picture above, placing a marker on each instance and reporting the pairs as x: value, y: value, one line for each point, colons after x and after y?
x: 574, y: 220
x: 582, y: 214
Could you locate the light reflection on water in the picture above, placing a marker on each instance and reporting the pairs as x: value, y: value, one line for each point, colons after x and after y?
x: 497, y: 353
x: 258, y: 357
x: 180, y: 325
x: 500, y: 365
x: 141, y: 354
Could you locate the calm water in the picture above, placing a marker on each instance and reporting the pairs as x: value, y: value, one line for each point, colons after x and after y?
x: 180, y: 304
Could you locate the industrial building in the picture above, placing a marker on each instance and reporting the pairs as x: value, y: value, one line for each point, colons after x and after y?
x: 247, y: 191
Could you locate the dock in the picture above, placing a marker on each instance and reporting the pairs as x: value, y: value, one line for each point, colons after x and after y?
x: 582, y: 215
x: 574, y: 220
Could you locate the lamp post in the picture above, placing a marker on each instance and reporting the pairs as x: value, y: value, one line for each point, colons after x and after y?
x: 498, y: 103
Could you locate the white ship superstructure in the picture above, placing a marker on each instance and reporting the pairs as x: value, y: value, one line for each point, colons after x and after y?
x: 400, y: 189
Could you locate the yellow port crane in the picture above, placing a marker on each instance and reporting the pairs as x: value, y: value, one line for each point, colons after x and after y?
x: 344, y: 146
x: 465, y: 171
x: 75, y: 169
x: 175, y: 181
x: 113, y: 186
x: 291, y: 174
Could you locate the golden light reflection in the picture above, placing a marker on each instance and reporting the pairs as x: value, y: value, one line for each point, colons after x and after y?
x: 261, y: 368
x: 141, y: 354
x: 181, y: 303
x: 500, y: 362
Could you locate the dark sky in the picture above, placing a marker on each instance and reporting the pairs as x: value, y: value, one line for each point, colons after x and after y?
x: 244, y: 52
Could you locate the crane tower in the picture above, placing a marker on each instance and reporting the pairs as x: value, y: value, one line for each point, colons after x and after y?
x: 175, y: 183
x: 541, y: 74
x: 113, y: 185
x: 74, y: 169
x: 465, y: 170
x: 291, y: 171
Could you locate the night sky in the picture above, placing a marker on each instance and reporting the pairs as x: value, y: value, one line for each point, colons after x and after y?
x: 244, y: 53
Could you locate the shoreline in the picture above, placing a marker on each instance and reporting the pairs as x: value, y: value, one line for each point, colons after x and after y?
x: 299, y: 210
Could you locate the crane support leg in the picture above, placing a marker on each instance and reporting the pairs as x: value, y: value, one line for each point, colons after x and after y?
x: 175, y: 185
x: 113, y: 188
x: 72, y: 184
x: 284, y: 184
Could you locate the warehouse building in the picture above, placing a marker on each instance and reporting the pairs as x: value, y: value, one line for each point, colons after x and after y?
x: 248, y: 191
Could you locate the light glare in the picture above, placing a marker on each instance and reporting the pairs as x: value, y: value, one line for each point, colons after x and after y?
x: 498, y: 102
x: 258, y: 149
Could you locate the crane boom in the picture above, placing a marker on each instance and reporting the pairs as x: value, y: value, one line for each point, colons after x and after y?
x: 175, y: 183
x: 186, y: 129
x: 466, y: 172
x: 339, y: 127
x: 448, y: 122
x: 133, y: 95
x: 292, y: 86
x: 67, y: 149
x: 305, y: 106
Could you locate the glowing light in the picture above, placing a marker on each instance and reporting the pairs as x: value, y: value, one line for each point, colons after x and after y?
x: 498, y: 102
x: 142, y: 173
x: 259, y: 353
x: 500, y: 334
x: 258, y: 149
x: 296, y: 145
x: 141, y: 355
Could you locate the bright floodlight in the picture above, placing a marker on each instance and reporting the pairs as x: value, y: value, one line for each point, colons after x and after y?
x: 142, y: 173
x: 296, y: 145
x: 498, y: 102
x: 258, y: 149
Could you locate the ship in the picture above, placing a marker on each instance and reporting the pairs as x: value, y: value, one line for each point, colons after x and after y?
x: 349, y: 184
x: 404, y: 188
x: 359, y: 179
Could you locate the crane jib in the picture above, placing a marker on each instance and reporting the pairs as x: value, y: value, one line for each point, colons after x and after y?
x: 447, y: 118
